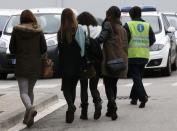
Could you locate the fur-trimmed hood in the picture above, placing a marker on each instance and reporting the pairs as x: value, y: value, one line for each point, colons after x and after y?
x: 28, y: 30
x: 29, y: 27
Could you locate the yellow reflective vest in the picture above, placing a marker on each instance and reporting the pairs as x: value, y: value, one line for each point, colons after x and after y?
x: 139, y: 42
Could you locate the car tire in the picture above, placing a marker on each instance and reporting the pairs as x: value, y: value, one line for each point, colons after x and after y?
x: 168, y: 69
x: 3, y: 76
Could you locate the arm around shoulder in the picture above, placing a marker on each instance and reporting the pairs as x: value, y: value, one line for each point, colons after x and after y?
x: 105, y: 32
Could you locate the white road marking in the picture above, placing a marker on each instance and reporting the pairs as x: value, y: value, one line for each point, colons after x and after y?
x: 47, y: 86
x: 6, y: 86
x: 174, y: 84
x: 40, y: 115
x: 131, y: 84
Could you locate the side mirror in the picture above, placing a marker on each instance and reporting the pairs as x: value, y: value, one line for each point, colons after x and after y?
x: 171, y: 29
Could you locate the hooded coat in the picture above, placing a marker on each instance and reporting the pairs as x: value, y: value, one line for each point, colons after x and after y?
x: 115, y: 45
x: 27, y: 44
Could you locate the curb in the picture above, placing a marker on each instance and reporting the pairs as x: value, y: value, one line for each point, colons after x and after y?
x: 17, y: 116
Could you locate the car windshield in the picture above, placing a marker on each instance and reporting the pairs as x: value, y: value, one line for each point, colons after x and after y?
x: 3, y: 20
x: 50, y: 23
x: 152, y: 20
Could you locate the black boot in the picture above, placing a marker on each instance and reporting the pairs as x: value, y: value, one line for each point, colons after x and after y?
x: 70, y: 114
x: 133, y: 102
x: 84, y: 110
x: 97, y: 113
x: 114, y: 114
x: 143, y: 102
x: 112, y: 110
x: 108, y: 113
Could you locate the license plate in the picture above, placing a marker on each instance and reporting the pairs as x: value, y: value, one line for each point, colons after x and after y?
x: 13, y: 61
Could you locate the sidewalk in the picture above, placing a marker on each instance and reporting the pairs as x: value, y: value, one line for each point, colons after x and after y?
x: 12, y: 110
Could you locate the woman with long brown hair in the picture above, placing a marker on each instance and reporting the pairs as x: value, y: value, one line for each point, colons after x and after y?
x: 27, y: 44
x: 71, y: 45
x: 115, y: 46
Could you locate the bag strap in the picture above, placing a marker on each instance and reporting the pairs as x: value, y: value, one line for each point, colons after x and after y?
x: 88, y: 30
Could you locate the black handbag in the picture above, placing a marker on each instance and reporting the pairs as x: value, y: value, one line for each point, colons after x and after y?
x: 116, y: 65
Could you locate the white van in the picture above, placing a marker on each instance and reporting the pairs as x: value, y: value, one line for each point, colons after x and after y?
x: 49, y: 19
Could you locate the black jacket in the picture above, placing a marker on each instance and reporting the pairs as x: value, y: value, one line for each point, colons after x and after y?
x: 69, y: 58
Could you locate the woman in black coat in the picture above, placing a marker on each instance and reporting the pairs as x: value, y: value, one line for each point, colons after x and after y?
x: 71, y: 41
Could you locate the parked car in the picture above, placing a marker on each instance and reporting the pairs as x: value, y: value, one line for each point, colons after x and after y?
x: 4, y: 16
x: 172, y: 19
x: 163, y: 53
x: 49, y: 19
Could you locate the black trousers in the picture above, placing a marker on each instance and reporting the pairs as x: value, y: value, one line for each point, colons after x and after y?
x: 136, y: 73
x: 111, y: 89
x: 69, y: 89
x: 93, y: 85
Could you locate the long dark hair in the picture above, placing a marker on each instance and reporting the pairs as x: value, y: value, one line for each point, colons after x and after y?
x: 27, y: 17
x: 113, y: 15
x: 86, y: 18
x: 68, y: 26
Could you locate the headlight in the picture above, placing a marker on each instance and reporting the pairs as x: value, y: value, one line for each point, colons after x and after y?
x: 51, y: 42
x: 156, y: 47
x: 2, y: 44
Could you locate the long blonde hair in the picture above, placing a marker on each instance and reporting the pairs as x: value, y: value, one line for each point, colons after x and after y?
x: 68, y: 25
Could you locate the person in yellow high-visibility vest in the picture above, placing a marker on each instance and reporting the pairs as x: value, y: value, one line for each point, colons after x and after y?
x: 140, y: 38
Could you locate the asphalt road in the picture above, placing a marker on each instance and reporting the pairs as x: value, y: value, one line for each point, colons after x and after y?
x: 160, y: 113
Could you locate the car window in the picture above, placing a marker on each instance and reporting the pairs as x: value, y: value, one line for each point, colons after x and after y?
x: 154, y: 21
x: 165, y: 22
x: 3, y: 20
x: 172, y: 20
x: 50, y: 23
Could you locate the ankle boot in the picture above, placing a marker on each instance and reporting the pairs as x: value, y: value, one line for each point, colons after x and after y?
x: 31, y: 114
x: 70, y: 114
x: 25, y: 120
x: 108, y: 113
x: 143, y: 102
x: 97, y: 113
x: 84, y: 110
x: 114, y: 114
x: 133, y: 102
x: 112, y: 110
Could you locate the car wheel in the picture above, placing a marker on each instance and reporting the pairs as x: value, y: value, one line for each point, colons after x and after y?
x: 167, y: 70
x: 3, y: 76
